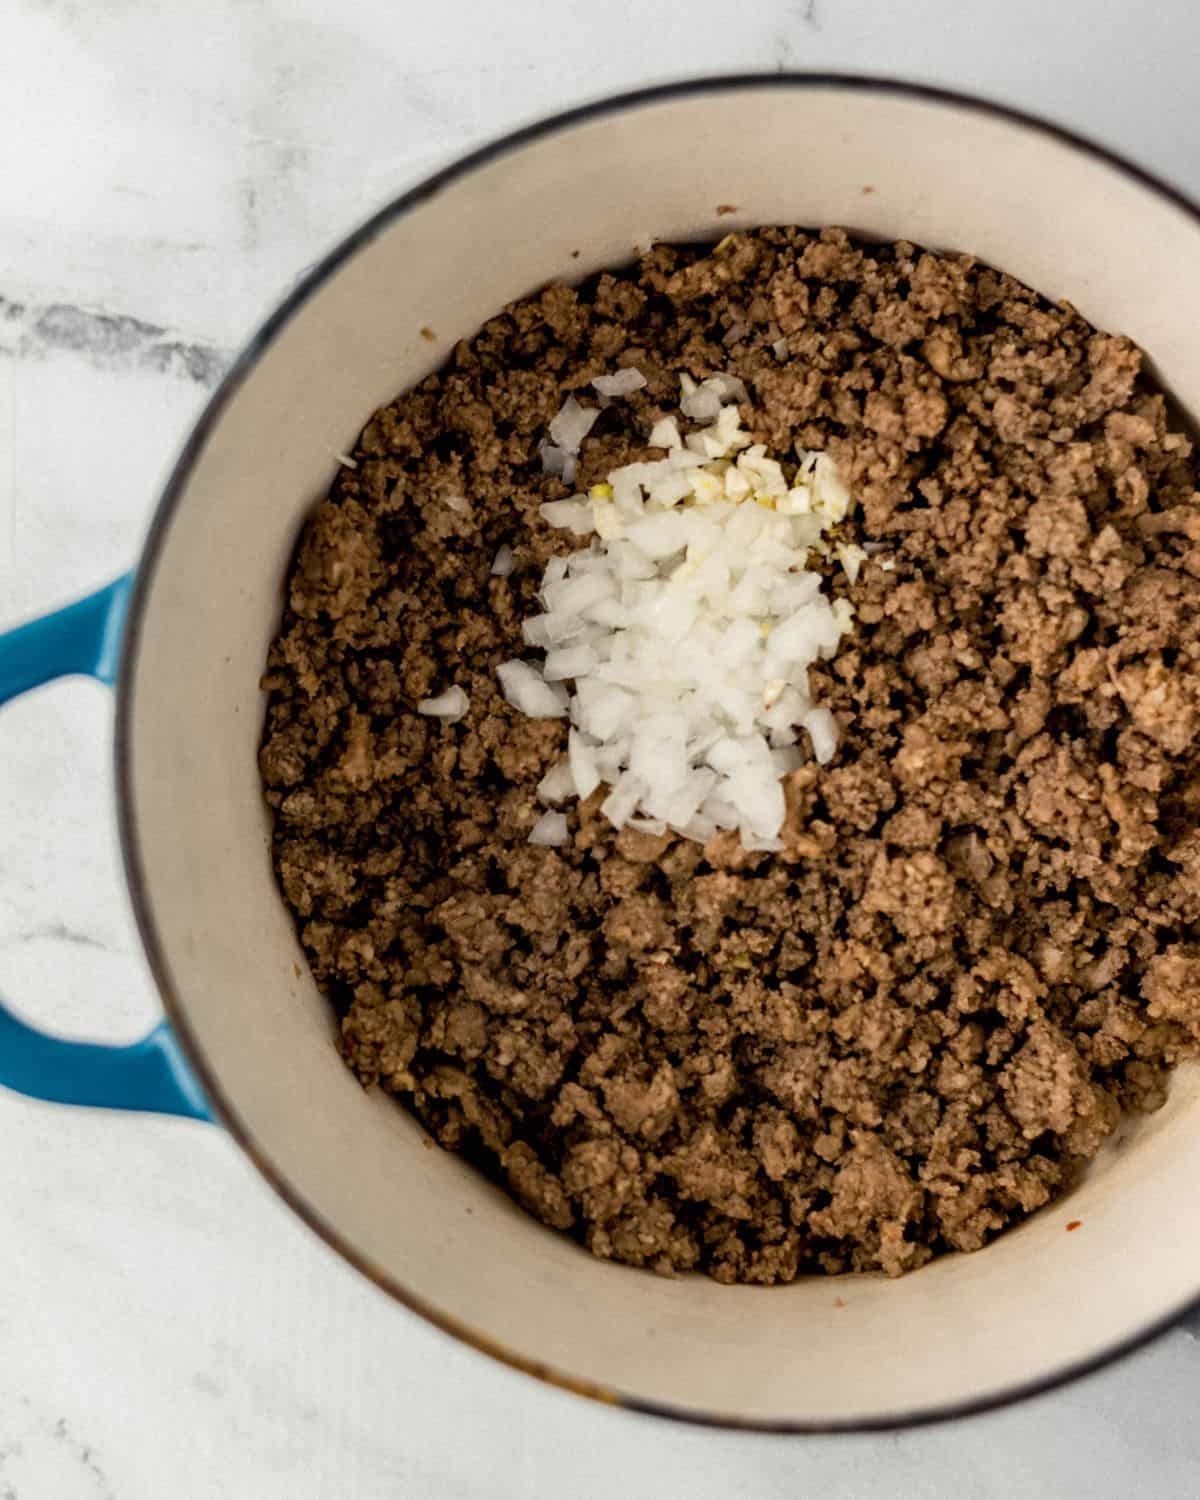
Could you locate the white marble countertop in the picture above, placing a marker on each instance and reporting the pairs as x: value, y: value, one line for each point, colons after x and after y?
x: 166, y: 170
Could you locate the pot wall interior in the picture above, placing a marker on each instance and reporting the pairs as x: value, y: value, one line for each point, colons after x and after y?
x: 880, y: 163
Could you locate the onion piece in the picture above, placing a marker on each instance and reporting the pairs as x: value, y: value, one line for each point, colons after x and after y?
x: 570, y: 515
x: 572, y: 423
x: 452, y: 705
x: 523, y: 686
x: 618, y: 806
x: 822, y: 731
x: 550, y: 830
x: 581, y: 760
x: 623, y: 383
x: 557, y: 784
x: 665, y: 434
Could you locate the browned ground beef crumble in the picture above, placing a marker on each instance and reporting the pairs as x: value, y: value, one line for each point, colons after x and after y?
x: 979, y: 946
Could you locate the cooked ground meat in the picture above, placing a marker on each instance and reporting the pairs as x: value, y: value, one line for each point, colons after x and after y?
x: 911, y: 1028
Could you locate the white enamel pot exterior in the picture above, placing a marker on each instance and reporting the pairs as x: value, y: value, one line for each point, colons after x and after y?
x: 562, y: 200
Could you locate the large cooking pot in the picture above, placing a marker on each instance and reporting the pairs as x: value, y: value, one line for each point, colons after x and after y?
x: 249, y: 1039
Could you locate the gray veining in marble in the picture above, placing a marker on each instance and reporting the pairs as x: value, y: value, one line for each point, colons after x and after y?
x: 107, y: 340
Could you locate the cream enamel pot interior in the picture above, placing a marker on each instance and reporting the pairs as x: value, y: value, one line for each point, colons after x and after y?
x: 561, y: 200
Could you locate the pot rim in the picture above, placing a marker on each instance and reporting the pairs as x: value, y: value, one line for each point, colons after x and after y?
x: 314, y: 278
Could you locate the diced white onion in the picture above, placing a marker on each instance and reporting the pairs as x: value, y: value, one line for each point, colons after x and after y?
x: 550, y: 830
x: 553, y: 457
x: 569, y: 515
x: 451, y: 705
x: 557, y: 784
x: 581, y: 759
x: 701, y: 405
x: 665, y: 434
x: 524, y: 687
x: 822, y: 731
x: 687, y: 627
x: 572, y: 424
x: 623, y: 383
x: 568, y: 661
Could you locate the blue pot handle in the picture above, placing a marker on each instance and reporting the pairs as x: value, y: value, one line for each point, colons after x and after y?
x: 85, y: 639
